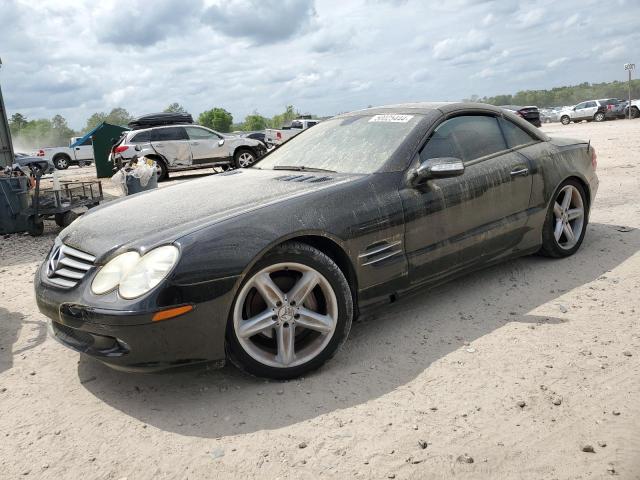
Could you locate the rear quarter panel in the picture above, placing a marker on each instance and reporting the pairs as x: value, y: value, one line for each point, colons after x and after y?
x: 552, y: 163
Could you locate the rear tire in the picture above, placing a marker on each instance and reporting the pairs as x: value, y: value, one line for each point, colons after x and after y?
x: 316, y: 326
x: 564, y: 227
x: 565, y: 120
x: 635, y: 112
x: 61, y: 162
x: 599, y: 117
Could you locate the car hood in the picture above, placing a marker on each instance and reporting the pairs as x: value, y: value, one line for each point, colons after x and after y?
x: 163, y: 215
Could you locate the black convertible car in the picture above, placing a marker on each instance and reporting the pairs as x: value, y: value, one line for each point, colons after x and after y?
x: 267, y: 266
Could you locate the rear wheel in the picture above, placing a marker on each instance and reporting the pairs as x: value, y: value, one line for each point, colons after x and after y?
x: 566, y: 221
x: 243, y: 158
x: 635, y: 112
x: 61, y: 162
x: 599, y: 117
x: 565, y: 120
x: 291, y: 314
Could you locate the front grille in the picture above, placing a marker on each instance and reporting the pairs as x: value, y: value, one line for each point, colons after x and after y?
x: 66, y: 266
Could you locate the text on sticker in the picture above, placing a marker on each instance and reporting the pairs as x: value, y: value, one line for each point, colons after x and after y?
x: 398, y: 118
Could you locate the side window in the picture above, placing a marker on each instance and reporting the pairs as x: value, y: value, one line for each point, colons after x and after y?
x: 169, y: 133
x: 196, y: 133
x: 515, y: 135
x: 591, y: 104
x: 581, y: 105
x: 142, y: 137
x: 466, y: 138
x: 88, y: 141
x: 296, y: 125
x: 311, y: 124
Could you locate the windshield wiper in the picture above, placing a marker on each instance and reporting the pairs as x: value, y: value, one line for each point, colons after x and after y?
x: 302, y: 168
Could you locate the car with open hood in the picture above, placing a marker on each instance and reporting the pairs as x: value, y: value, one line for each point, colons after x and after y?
x: 268, y: 266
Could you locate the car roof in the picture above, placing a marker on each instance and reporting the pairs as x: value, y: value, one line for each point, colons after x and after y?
x: 424, y: 108
x: 138, y: 130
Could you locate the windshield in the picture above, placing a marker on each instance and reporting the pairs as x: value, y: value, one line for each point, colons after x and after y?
x: 354, y: 144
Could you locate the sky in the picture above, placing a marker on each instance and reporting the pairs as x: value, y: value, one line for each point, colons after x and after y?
x: 322, y: 56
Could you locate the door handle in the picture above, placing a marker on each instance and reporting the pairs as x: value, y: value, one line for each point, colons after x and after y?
x: 77, y: 148
x: 521, y: 172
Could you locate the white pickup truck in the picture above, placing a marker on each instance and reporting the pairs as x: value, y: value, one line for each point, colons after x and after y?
x: 277, y: 137
x: 79, y: 152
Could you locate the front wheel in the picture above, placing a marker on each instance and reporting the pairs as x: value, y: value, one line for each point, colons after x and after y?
x: 565, y: 120
x: 291, y: 314
x: 566, y: 221
x: 244, y: 158
x: 162, y: 171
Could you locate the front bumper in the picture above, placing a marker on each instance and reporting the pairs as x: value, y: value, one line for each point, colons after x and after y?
x: 128, y: 339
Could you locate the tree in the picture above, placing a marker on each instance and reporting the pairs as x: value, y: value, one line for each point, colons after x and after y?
x: 217, y: 119
x: 175, y: 108
x: 94, y: 120
x: 60, y: 130
x: 282, y: 119
x: 119, y: 116
x: 254, y: 121
x: 17, y: 122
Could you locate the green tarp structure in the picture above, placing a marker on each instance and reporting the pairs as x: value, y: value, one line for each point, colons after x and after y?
x: 6, y: 149
x: 103, y: 137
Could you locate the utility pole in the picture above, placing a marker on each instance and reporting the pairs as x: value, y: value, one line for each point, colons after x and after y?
x: 629, y: 67
x: 6, y: 148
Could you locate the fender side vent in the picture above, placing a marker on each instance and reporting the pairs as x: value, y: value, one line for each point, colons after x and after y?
x: 380, y: 251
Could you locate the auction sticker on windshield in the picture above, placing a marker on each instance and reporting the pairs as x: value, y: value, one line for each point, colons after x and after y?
x: 391, y: 118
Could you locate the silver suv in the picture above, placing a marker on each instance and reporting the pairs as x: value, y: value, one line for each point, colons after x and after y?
x: 187, y: 147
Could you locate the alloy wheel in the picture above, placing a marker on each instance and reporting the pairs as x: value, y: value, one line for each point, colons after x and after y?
x: 568, y: 212
x: 245, y: 159
x: 61, y: 163
x: 285, y: 315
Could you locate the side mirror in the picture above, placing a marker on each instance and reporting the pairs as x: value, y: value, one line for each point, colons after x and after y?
x: 221, y: 142
x: 437, y: 168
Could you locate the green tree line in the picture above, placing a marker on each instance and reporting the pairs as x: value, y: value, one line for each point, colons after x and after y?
x: 29, y: 135
x: 561, y: 96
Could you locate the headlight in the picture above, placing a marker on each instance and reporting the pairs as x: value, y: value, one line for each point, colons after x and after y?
x: 110, y: 275
x: 148, y: 272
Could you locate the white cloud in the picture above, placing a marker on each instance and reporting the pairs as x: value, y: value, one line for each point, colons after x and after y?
x: 459, y: 48
x: 557, y: 62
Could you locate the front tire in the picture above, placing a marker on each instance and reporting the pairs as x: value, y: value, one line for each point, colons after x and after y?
x: 244, y: 158
x: 566, y: 221
x: 61, y: 162
x: 161, y: 169
x: 290, y: 315
x: 565, y: 120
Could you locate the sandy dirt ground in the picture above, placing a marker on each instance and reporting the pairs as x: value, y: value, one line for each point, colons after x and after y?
x: 509, y: 373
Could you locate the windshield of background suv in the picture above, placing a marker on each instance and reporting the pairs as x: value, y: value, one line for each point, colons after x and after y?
x: 354, y: 144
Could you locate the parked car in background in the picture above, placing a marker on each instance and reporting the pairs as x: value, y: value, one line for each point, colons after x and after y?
x: 260, y: 136
x: 184, y: 146
x: 268, y: 266
x: 277, y: 137
x: 635, y: 109
x: 590, y: 110
x: 531, y: 114
x: 32, y: 161
x: 614, y: 107
x: 79, y: 152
